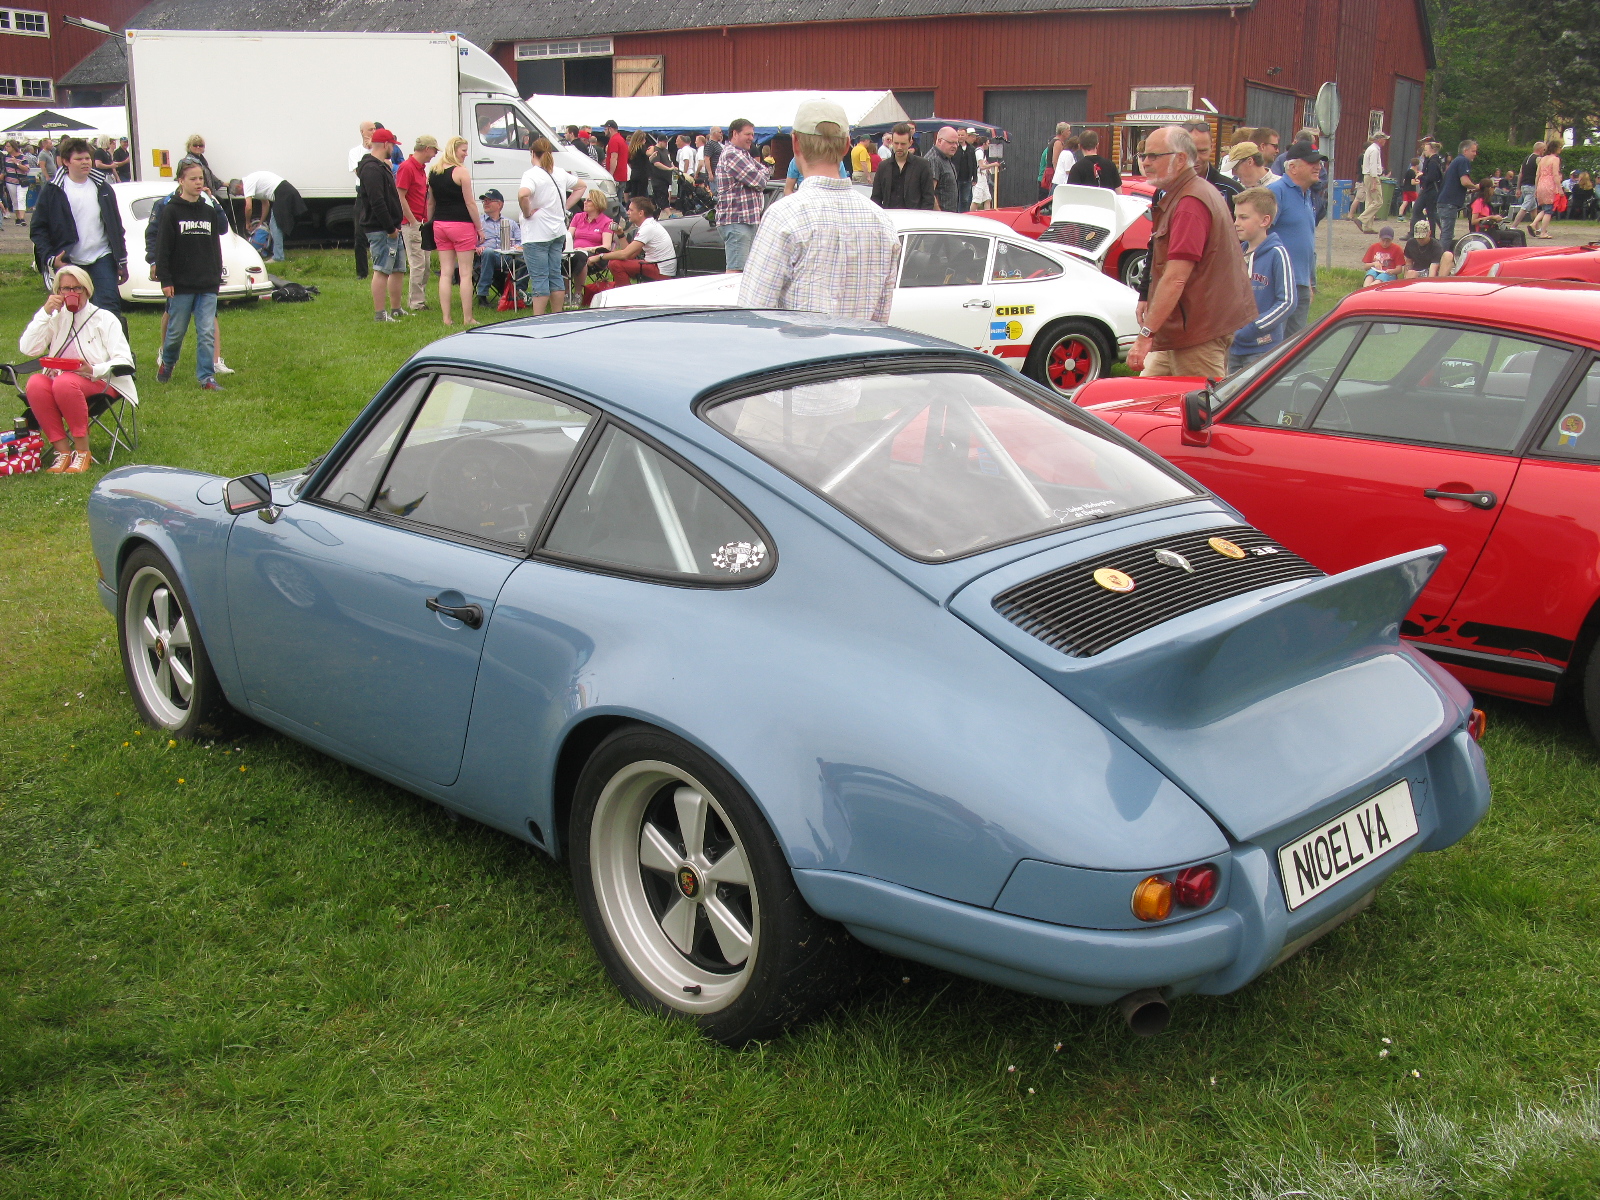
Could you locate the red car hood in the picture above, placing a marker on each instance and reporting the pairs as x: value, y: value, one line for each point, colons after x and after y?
x: 1136, y: 393
x: 1479, y: 261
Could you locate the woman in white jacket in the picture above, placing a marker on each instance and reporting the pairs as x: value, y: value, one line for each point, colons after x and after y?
x: 68, y: 326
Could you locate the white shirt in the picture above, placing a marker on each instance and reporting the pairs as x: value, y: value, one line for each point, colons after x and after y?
x: 259, y: 185
x: 657, y: 246
x: 1063, y: 165
x: 1372, y: 160
x: 688, y: 160
x: 356, y: 155
x: 548, y: 221
x: 85, y: 200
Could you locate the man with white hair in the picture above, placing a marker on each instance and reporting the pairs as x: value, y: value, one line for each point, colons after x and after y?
x: 1199, y: 294
x: 942, y: 159
x: 823, y: 249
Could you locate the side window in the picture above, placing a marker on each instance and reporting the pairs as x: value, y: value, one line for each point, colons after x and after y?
x: 1013, y: 262
x: 1573, y: 433
x: 482, y: 459
x: 944, y: 260
x: 351, y: 485
x: 1436, y: 383
x: 1293, y: 396
x: 502, y: 127
x: 634, y: 508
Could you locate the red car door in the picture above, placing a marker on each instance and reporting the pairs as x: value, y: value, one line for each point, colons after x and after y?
x: 1539, y: 577
x: 1378, y: 438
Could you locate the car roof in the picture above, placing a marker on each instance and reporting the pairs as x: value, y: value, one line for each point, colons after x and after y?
x: 1533, y: 305
x: 920, y: 218
x: 654, y: 362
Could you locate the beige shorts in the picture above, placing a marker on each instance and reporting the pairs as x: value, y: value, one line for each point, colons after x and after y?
x: 1208, y: 359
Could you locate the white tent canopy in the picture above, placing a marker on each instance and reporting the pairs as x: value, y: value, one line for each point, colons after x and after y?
x: 769, y: 112
x: 103, y: 122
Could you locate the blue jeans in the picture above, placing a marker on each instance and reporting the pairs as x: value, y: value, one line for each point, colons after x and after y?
x: 736, y: 239
x: 103, y: 271
x: 277, y: 236
x: 490, y: 264
x: 203, y: 307
x: 963, y: 197
x: 1447, y: 225
x: 543, y: 260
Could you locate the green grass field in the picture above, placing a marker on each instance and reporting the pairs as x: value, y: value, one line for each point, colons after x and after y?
x: 245, y: 970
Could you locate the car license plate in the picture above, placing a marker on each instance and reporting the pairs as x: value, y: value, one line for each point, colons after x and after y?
x: 1315, y: 861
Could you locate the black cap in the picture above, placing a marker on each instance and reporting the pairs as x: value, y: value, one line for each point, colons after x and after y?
x: 1305, y: 152
x: 493, y: 194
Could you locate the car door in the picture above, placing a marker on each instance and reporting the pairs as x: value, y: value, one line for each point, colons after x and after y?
x: 501, y: 139
x: 944, y: 288
x: 1378, y: 438
x: 1519, y: 616
x: 358, y: 614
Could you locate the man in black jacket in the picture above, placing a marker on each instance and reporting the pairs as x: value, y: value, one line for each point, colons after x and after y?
x: 379, y: 216
x: 76, y: 221
x: 966, y: 162
x: 904, y: 180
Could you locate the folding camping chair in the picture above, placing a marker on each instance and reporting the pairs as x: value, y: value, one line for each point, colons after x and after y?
x: 117, y: 418
x: 513, y: 274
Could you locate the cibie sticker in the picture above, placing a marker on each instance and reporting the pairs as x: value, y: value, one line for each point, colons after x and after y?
x: 1570, y: 429
x: 1005, y: 331
x: 1015, y: 310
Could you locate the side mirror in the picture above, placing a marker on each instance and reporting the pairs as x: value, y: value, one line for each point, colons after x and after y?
x: 247, y: 494
x: 1197, y: 410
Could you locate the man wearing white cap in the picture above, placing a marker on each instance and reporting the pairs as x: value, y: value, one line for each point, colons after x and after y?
x: 823, y: 249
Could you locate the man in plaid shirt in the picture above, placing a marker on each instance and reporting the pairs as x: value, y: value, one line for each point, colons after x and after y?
x: 823, y: 249
x: 741, y: 190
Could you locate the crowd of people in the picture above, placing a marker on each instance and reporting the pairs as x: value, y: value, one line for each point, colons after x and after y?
x: 28, y: 165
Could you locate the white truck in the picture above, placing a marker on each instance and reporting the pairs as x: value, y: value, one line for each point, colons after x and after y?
x: 292, y: 104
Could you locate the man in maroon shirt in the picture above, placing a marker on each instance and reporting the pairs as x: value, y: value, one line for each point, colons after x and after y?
x: 616, y: 154
x: 412, y: 180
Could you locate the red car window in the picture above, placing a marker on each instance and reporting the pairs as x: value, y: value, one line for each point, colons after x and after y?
x: 1574, y: 432
x: 1293, y: 395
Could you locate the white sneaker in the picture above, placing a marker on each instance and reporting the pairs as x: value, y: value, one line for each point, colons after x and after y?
x: 221, y: 368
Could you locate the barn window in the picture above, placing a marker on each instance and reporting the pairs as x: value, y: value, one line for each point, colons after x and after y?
x: 24, y: 21
x: 1163, y: 97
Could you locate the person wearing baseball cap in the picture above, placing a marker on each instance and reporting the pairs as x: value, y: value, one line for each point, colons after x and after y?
x: 1296, y: 225
x: 823, y: 249
x: 379, y: 215
x: 412, y: 180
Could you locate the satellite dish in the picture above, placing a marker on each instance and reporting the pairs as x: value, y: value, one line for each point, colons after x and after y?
x: 1327, y: 108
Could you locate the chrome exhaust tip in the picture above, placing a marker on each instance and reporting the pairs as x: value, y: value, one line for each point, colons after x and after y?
x: 1146, y: 1012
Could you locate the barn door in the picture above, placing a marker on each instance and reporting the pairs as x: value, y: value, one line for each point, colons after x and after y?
x: 638, y: 74
x: 1030, y: 118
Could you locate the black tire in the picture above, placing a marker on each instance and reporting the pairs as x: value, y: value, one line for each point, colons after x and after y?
x: 638, y: 799
x: 1591, y: 690
x: 150, y: 598
x: 1131, y: 267
x: 1068, y: 356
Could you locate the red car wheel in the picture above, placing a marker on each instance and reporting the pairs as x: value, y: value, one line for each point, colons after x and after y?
x: 1068, y: 357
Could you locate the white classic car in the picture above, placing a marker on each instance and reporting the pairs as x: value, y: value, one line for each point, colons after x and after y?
x: 1045, y: 309
x: 244, y: 275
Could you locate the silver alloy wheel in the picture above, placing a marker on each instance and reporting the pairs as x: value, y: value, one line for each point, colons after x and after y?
x: 160, y: 653
x: 673, y: 886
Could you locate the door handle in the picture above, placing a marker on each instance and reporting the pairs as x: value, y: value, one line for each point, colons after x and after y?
x: 1484, y: 500
x: 482, y: 162
x: 470, y: 615
x: 976, y: 304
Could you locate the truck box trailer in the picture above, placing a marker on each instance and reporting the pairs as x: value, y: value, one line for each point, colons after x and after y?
x: 292, y: 104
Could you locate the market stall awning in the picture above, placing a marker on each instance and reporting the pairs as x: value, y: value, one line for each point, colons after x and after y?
x: 47, y: 122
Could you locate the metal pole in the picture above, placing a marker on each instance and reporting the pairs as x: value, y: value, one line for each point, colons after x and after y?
x: 1328, y: 244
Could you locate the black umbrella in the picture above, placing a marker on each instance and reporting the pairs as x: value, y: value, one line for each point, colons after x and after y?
x: 46, y: 122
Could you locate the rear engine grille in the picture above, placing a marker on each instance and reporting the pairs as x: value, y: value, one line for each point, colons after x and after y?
x: 1075, y: 234
x: 1069, y: 610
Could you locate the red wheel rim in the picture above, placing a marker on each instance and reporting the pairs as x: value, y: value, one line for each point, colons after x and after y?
x: 1070, y: 365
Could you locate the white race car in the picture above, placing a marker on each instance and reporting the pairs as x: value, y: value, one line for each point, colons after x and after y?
x: 1046, y: 309
x: 243, y: 273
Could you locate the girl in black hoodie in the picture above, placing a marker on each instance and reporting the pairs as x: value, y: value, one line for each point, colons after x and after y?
x: 189, y: 265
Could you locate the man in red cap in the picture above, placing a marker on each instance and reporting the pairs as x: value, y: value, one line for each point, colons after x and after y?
x: 379, y: 215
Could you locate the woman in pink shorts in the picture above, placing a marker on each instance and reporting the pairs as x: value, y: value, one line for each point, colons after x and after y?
x: 457, y: 224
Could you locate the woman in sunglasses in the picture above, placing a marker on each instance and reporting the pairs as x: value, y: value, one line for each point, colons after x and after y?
x: 69, y: 327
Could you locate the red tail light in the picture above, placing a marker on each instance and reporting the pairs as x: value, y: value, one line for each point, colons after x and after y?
x: 1196, y: 887
x: 1477, y: 723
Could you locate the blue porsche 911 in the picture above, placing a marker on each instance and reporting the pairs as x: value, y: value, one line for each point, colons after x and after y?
x: 793, y: 634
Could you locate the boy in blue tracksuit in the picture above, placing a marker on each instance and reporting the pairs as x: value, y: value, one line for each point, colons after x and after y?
x: 1266, y: 260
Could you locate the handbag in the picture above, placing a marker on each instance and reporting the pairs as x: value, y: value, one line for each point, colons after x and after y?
x: 427, y: 236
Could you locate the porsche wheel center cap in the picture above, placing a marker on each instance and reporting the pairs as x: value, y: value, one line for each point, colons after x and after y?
x: 688, y: 882
x: 161, y: 648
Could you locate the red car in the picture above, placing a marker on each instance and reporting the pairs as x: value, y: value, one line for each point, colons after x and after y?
x: 1125, y: 258
x: 1577, y: 263
x: 1464, y: 412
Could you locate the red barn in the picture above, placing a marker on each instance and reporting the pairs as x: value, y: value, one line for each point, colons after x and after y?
x: 38, y: 47
x: 1020, y: 64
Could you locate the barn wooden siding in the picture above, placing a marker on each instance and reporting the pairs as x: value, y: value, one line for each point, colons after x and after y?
x: 1364, y: 44
x: 52, y: 57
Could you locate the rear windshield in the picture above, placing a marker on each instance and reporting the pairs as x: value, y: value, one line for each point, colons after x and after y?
x: 943, y: 463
